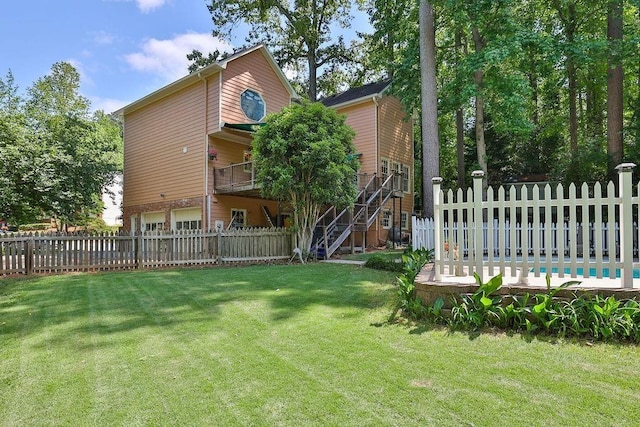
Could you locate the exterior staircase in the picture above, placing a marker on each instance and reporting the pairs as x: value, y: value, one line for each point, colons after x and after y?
x: 333, y: 228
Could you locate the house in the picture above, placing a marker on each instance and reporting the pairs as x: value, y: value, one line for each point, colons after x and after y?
x: 187, y: 148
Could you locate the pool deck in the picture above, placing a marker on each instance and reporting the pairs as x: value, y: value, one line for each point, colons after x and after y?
x: 427, y: 276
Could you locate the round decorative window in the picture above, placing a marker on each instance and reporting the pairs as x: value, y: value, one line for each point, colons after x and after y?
x: 252, y: 105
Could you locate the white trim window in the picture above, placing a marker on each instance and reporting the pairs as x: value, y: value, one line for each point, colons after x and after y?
x: 384, y: 167
x: 406, y: 179
x: 238, y: 218
x: 404, y: 220
x: 385, y: 220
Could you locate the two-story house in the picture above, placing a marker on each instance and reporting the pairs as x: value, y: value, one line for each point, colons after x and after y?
x: 187, y: 149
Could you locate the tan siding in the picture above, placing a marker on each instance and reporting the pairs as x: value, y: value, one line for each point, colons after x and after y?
x: 396, y: 134
x: 154, y: 140
x: 362, y: 119
x: 213, y: 103
x: 251, y: 71
x: 396, y: 144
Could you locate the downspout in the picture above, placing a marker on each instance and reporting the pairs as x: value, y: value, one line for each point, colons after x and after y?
x: 377, y: 154
x: 205, y: 198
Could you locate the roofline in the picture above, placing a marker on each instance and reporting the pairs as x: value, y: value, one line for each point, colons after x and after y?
x: 207, y: 71
x: 361, y: 99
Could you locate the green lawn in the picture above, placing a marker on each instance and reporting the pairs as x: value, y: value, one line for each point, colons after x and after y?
x: 293, y: 345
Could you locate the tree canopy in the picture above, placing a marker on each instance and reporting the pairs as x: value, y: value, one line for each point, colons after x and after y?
x: 298, y: 32
x: 56, y: 156
x: 302, y: 157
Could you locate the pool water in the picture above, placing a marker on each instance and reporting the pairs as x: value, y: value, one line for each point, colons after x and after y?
x: 592, y: 272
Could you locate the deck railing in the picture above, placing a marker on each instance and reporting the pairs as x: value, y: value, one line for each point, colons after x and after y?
x: 236, y: 177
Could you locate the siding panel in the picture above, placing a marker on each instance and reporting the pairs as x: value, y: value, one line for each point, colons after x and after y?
x: 362, y: 119
x: 155, y: 138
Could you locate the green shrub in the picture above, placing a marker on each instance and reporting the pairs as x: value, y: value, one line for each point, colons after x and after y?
x: 378, y: 262
x: 584, y: 316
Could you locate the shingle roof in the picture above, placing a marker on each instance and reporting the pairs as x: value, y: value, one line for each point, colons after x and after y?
x: 356, y: 93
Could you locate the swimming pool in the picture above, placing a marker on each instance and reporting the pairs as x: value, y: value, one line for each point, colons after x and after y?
x: 592, y: 272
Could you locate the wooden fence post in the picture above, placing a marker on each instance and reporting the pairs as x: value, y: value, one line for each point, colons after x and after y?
x: 28, y: 255
x: 626, y: 223
x: 478, y: 222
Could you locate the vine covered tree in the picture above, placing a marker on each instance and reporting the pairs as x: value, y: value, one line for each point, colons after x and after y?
x: 302, y: 157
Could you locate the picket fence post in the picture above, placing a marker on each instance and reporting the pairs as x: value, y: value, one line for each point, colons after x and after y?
x: 478, y: 223
x: 626, y: 223
x: 437, y: 226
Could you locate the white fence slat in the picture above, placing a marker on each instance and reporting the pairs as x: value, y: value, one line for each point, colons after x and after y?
x: 538, y: 229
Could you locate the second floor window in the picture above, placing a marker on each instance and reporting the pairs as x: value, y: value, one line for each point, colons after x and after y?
x: 252, y: 105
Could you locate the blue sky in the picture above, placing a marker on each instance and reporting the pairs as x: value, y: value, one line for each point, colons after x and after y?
x: 123, y: 49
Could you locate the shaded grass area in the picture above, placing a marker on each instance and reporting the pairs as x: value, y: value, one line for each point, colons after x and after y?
x: 281, y: 345
x: 388, y: 254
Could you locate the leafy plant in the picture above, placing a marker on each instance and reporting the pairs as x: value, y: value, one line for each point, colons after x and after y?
x: 545, y: 309
x: 481, y: 308
x: 412, y: 263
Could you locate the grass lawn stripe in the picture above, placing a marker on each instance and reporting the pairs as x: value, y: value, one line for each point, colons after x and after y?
x: 282, y: 345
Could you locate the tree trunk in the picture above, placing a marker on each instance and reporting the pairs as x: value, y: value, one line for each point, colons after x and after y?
x: 460, y: 125
x: 615, y: 76
x: 460, y: 147
x: 429, y: 104
x: 478, y: 78
x: 312, y: 91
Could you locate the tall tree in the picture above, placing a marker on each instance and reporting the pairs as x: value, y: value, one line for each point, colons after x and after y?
x: 297, y: 31
x: 429, y: 103
x: 61, y: 156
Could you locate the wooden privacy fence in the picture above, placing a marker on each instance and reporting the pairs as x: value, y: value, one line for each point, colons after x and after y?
x: 56, y: 252
x: 594, y: 233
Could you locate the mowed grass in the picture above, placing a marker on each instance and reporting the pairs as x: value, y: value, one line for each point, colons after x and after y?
x: 289, y: 345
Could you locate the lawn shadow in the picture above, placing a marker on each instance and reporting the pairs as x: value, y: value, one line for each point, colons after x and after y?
x: 111, y: 303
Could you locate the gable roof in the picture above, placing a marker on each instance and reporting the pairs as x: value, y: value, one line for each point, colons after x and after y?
x: 203, y: 73
x: 357, y: 94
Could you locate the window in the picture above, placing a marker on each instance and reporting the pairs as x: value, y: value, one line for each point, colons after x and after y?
x: 406, y: 178
x: 386, y: 218
x: 404, y: 220
x: 189, y: 225
x: 238, y: 218
x: 252, y: 105
x: 384, y: 167
x: 397, y: 180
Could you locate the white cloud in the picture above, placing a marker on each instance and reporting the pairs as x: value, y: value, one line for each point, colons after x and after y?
x: 108, y: 105
x: 168, y: 58
x: 102, y: 37
x: 148, y: 5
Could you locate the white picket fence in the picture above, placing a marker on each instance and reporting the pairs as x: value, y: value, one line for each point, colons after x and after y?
x: 533, y: 230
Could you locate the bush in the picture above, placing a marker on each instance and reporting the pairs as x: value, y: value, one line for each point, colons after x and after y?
x: 378, y: 262
x: 585, y: 316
